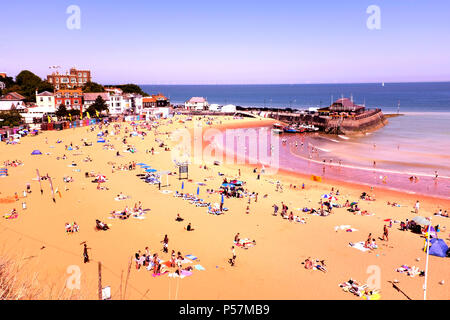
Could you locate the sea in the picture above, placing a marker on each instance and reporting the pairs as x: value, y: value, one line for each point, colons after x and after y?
x: 414, y: 144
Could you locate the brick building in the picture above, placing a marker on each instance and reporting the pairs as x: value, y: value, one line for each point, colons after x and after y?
x: 72, y: 99
x: 71, y: 80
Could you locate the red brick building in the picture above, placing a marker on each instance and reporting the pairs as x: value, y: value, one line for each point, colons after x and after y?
x: 72, y: 99
x: 71, y: 80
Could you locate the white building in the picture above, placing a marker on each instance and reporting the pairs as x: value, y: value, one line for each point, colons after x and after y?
x: 229, y: 108
x: 46, y: 100
x: 196, y: 103
x: 215, y: 107
x: 12, y: 100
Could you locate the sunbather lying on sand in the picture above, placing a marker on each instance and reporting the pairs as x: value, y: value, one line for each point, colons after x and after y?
x: 100, y: 225
x: 315, y: 264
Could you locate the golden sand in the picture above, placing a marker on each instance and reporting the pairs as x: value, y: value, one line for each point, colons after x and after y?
x: 270, y: 270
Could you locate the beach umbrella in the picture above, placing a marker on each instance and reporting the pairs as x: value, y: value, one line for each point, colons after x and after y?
x: 222, y: 200
x: 325, y: 196
x: 182, y: 185
x: 332, y: 198
x: 36, y: 152
x: 353, y: 203
x: 145, y: 167
x: 198, y: 190
x: 421, y: 221
x: 150, y: 170
x: 140, y: 164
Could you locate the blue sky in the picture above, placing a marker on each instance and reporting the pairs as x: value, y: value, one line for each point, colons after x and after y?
x: 238, y: 42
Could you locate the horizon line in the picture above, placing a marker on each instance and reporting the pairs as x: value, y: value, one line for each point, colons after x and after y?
x: 271, y: 84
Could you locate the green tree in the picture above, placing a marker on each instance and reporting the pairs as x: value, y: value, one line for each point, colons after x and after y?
x: 27, y: 83
x: 62, y: 111
x: 10, y: 118
x: 99, y: 105
x: 132, y: 88
x: 93, y: 87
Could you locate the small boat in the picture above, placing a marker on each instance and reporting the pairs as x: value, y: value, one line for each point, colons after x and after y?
x: 290, y: 130
x: 309, y: 128
x: 277, y: 128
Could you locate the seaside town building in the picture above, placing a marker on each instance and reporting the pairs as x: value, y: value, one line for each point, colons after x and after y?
x: 73, y: 79
x: 72, y: 99
x: 155, y: 101
x: 196, y: 103
x: 44, y: 106
x: 89, y: 99
x: 2, y: 85
x: 120, y: 102
x: 229, y: 108
x: 46, y: 100
x: 12, y: 100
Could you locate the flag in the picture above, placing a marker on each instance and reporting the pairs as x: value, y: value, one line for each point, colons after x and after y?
x: 198, y: 190
x: 49, y: 119
x: 98, y: 114
x: 221, y: 200
x: 70, y: 117
x: 88, y: 115
x: 316, y: 178
x: 182, y: 185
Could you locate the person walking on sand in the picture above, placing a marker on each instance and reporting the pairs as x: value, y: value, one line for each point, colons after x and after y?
x: 417, y: 206
x: 385, y: 233
x: 275, y: 209
x: 165, y: 244
x: 85, y: 253
x: 233, y: 259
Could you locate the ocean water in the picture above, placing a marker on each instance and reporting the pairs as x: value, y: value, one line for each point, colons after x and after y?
x: 413, y: 97
x: 414, y: 144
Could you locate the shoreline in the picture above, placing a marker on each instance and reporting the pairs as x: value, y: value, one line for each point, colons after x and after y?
x: 287, y: 173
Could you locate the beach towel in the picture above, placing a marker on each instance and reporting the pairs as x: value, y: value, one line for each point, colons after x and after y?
x: 359, y: 246
x: 199, y: 267
x: 192, y: 257
x: 186, y: 273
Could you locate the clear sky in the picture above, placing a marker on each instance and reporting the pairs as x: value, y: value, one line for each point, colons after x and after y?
x: 230, y: 42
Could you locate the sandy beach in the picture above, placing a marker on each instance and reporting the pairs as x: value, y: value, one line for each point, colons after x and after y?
x: 272, y: 269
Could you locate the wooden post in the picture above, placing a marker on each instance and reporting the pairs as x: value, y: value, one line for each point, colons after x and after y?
x: 100, y: 281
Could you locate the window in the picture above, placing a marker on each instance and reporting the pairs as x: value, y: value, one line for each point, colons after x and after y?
x: 75, y: 101
x: 85, y: 74
x: 73, y: 80
x: 79, y: 74
x: 57, y: 80
x: 42, y: 99
x: 67, y: 95
x: 59, y: 95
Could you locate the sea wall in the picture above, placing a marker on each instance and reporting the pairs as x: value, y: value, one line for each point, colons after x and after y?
x: 367, y: 122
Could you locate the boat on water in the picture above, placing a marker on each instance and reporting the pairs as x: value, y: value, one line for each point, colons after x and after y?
x: 309, y: 128
x: 290, y: 130
x: 277, y: 128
